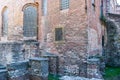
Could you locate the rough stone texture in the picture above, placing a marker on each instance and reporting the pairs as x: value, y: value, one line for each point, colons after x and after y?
x: 18, y: 51
x: 39, y: 68
x: 34, y: 69
x: 10, y: 52
x: 93, y: 68
x: 77, y: 78
x: 30, y: 49
x: 53, y: 63
x: 18, y: 71
x: 3, y: 73
x: 113, y: 41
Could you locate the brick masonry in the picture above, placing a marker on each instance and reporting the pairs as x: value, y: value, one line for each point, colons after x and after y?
x: 82, y: 34
x: 81, y: 27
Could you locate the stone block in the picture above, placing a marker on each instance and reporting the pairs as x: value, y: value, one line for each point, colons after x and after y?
x: 18, y: 70
x: 53, y: 63
x: 3, y: 74
x: 38, y: 68
x: 93, y: 68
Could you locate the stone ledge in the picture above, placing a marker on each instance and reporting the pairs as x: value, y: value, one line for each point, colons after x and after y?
x: 77, y: 78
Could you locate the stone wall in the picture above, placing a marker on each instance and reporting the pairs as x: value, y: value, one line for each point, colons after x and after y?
x: 18, y: 51
x: 113, y: 41
x: 18, y: 71
x: 38, y: 69
x: 33, y: 69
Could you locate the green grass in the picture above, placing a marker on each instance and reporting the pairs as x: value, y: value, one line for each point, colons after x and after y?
x: 111, y: 73
x: 53, y: 77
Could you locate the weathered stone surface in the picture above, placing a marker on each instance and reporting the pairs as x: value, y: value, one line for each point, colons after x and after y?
x: 39, y: 68
x: 31, y: 49
x: 77, y: 78
x: 53, y: 63
x: 18, y: 70
x: 113, y: 41
x: 10, y: 52
x: 3, y: 74
x: 18, y: 51
x: 93, y: 68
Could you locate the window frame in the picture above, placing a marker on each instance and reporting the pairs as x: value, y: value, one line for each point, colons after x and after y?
x: 63, y: 38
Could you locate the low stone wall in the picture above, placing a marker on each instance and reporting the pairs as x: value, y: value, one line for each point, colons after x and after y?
x: 34, y: 69
x: 93, y: 68
x: 53, y: 63
x: 18, y: 71
x: 10, y: 52
x: 18, y: 51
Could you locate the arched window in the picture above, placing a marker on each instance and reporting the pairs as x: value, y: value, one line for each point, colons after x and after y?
x: 5, y: 21
x: 30, y: 21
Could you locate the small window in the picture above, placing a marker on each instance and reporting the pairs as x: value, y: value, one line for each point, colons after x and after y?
x: 58, y: 34
x: 64, y: 4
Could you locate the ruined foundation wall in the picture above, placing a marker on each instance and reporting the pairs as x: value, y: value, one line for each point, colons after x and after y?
x: 113, y: 41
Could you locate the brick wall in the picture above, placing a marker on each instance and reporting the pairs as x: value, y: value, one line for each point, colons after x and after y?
x: 82, y: 33
x: 81, y: 28
x: 15, y: 18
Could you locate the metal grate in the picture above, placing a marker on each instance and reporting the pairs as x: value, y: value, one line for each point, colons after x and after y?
x: 64, y: 4
x: 30, y: 21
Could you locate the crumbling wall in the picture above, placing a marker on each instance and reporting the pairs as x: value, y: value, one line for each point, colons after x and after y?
x: 113, y: 41
x: 18, y: 51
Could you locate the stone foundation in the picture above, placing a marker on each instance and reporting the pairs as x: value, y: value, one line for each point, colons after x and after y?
x: 34, y: 69
x: 93, y: 68
x: 39, y: 69
x: 18, y: 71
x: 53, y: 63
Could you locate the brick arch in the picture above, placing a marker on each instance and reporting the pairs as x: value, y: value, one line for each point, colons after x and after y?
x: 30, y: 16
x: 30, y: 4
x: 3, y: 9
